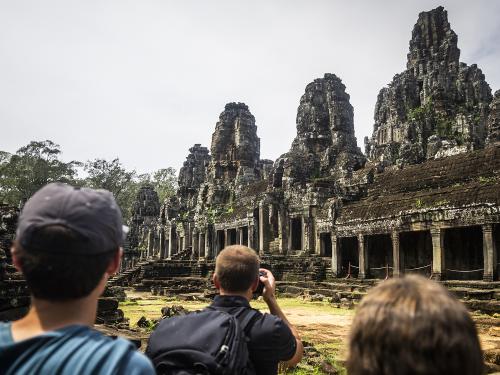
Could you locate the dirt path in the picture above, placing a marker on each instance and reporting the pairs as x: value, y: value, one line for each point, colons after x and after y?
x: 320, y: 324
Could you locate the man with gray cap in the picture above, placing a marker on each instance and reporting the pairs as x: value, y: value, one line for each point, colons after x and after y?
x: 67, y: 245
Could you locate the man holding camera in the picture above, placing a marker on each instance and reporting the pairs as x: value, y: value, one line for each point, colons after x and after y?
x: 272, y: 339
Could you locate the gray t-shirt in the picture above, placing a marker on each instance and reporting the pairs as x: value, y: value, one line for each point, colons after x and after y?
x: 75, y: 349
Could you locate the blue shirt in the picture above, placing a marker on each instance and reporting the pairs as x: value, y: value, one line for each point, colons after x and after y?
x: 75, y: 349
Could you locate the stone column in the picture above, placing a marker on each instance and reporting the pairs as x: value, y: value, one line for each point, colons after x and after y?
x: 306, y: 235
x: 437, y: 253
x: 226, y: 238
x: 396, y: 260
x: 251, y: 235
x: 208, y: 251
x: 318, y: 247
x: 150, y: 243
x: 239, y: 236
x: 335, y: 256
x: 171, y: 242
x: 363, y: 261
x: 162, y: 243
x: 263, y: 228
x: 201, y: 245
x: 282, y: 231
x: 489, y: 253
x: 194, y: 243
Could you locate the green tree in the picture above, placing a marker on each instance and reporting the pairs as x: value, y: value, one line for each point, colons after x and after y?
x: 30, y: 168
x: 165, y: 182
x: 112, y: 176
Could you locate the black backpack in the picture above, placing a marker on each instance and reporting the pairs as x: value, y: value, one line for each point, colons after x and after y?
x: 205, y: 342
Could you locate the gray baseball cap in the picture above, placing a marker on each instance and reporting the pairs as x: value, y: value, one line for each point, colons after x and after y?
x: 93, y: 214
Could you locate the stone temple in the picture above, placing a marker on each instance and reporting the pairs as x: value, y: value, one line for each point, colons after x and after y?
x: 423, y: 198
x: 424, y: 195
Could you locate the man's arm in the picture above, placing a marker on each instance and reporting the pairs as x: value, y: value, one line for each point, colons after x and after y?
x: 270, y: 298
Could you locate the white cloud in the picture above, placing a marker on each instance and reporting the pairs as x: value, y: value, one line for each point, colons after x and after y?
x: 145, y: 80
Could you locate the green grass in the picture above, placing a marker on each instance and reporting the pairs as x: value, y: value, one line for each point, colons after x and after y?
x: 316, y: 306
x: 325, y: 350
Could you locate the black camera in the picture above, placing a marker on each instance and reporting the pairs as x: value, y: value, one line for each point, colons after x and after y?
x: 260, y: 287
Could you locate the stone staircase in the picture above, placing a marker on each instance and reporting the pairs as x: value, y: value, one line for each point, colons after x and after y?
x: 182, y: 255
x: 476, y: 295
x: 127, y: 277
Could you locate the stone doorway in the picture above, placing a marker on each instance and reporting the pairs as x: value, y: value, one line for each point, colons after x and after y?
x: 201, y: 246
x: 379, y: 253
x: 463, y: 253
x: 220, y: 241
x: 231, y: 234
x: 173, y: 241
x: 325, y: 243
x: 244, y: 234
x: 296, y: 233
x: 415, y: 249
x: 348, y: 253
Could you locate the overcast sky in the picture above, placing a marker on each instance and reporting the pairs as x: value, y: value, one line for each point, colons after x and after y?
x: 144, y: 80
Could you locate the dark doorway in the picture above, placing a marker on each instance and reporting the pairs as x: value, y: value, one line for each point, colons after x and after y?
x: 463, y: 252
x: 296, y: 229
x: 415, y: 251
x: 325, y: 240
x: 244, y: 233
x: 210, y: 240
x: 274, y: 221
x: 231, y: 234
x: 379, y: 253
x: 201, y: 245
x: 220, y: 241
x: 348, y: 254
x: 174, y: 242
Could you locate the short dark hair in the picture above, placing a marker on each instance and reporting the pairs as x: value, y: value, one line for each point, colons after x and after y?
x: 412, y: 325
x: 54, y: 274
x: 237, y: 268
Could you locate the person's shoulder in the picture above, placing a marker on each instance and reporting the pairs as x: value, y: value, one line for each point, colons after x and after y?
x: 139, y: 364
x: 268, y: 325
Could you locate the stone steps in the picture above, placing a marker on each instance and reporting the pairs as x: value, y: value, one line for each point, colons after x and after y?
x: 486, y: 300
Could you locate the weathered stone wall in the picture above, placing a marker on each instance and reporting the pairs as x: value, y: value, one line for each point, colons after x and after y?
x: 437, y: 106
x: 494, y: 120
x: 325, y: 144
x: 14, y: 295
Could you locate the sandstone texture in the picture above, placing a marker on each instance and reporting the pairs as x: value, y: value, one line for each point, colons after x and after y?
x: 325, y: 144
x: 438, y: 106
x: 494, y: 120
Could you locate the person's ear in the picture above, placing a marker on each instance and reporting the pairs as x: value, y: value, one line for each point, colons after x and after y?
x: 255, y: 284
x: 15, y: 258
x: 216, y: 281
x: 114, y: 265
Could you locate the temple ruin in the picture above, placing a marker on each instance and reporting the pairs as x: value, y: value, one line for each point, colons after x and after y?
x: 425, y: 196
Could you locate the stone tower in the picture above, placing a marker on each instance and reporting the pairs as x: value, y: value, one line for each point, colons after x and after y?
x: 437, y: 106
x: 494, y: 120
x: 145, y: 212
x: 325, y: 144
x: 192, y: 175
x: 235, y: 146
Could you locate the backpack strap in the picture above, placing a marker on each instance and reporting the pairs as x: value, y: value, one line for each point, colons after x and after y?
x: 247, y: 319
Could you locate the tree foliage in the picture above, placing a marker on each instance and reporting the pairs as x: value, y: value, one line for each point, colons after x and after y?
x: 30, y: 168
x: 38, y: 163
